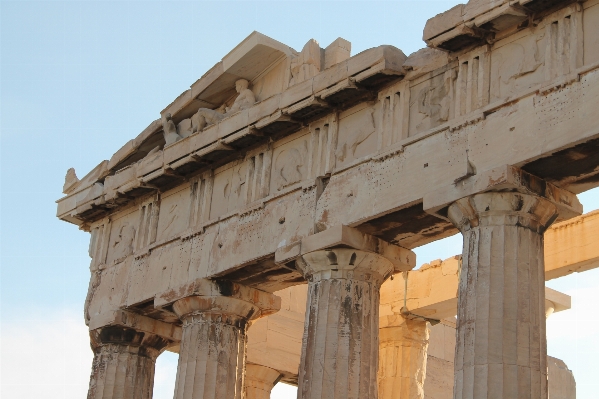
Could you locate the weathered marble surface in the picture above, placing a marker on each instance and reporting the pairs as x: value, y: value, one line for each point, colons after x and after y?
x: 273, y: 150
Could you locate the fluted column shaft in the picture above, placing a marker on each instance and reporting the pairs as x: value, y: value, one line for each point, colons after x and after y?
x: 212, y: 357
x: 213, y: 344
x: 501, y: 348
x: 402, y: 359
x: 259, y: 381
x: 340, y: 343
x: 124, y: 363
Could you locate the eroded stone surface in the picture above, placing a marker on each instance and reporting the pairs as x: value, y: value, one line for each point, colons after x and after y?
x: 501, y: 344
x: 340, y: 345
x: 237, y: 184
x: 562, y: 384
x: 402, y: 359
x: 213, y: 344
x: 124, y: 363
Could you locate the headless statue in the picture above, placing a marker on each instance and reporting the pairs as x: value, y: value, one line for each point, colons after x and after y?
x: 206, y: 116
x: 170, y: 130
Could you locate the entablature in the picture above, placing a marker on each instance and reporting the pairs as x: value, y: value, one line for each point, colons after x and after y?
x: 484, y: 21
x: 441, y: 92
x: 146, y: 164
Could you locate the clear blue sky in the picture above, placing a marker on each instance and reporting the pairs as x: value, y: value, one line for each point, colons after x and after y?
x: 80, y: 78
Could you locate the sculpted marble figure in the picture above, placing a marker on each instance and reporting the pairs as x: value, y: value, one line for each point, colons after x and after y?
x: 206, y: 116
x: 170, y: 130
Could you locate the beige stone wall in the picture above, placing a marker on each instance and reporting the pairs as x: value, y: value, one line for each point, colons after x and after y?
x: 439, y: 379
x: 439, y: 366
x: 276, y: 340
x: 442, y: 340
x: 562, y: 384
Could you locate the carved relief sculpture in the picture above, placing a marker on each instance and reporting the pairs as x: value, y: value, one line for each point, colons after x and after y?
x: 515, y: 65
x: 290, y: 165
x: 123, y: 244
x: 357, y: 135
x: 435, y: 101
x: 331, y: 183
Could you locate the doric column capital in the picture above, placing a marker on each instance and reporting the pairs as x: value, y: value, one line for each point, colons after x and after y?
x: 215, y: 315
x: 503, y: 208
x: 345, y: 263
x: 219, y: 297
x: 226, y: 310
x: 124, y: 361
x: 503, y: 179
x: 143, y: 324
x: 347, y: 253
x: 124, y: 339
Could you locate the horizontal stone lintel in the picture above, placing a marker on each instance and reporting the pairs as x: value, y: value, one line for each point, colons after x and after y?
x: 433, y: 305
x: 571, y: 246
x: 432, y: 290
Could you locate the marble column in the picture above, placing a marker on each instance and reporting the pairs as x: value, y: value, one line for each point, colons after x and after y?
x: 124, y: 362
x: 402, y: 358
x: 501, y: 348
x: 340, y: 344
x: 213, y: 344
x: 259, y: 381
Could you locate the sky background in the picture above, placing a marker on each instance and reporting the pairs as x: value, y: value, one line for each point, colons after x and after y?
x: 78, y: 79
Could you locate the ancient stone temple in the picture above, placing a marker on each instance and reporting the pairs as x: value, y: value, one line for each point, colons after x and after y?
x: 263, y: 226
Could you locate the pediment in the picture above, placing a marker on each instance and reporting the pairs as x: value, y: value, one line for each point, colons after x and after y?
x: 249, y: 60
x: 288, y: 88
